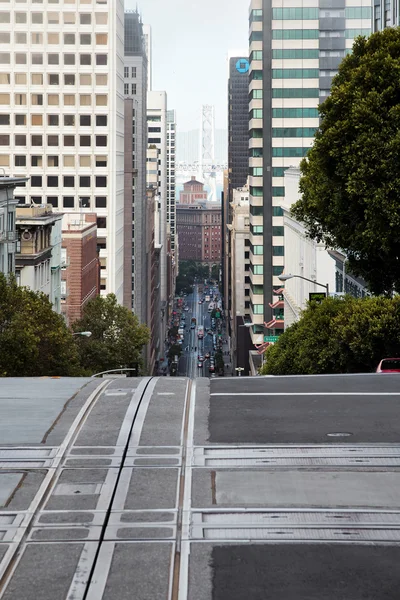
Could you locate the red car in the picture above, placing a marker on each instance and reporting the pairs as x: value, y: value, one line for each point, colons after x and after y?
x: 389, y: 365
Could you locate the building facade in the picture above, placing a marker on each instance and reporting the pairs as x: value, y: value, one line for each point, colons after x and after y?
x: 193, y: 191
x: 136, y: 67
x: 199, y: 230
x: 294, y: 52
x: 81, y: 266
x: 171, y: 182
x: 61, y: 92
x: 8, y: 233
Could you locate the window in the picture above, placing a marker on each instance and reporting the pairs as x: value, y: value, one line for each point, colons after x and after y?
x: 256, y: 191
x: 101, y: 59
x: 85, y: 39
x: 54, y: 79
x: 84, y: 161
x: 84, y: 202
x: 295, y: 73
x: 53, y: 100
x: 37, y: 59
x: 52, y: 59
x: 69, y: 140
x: 101, y: 202
x: 69, y: 59
x: 101, y: 100
x: 126, y: 72
x: 256, y: 133
x: 278, y: 171
x: 101, y: 120
x: 4, y: 119
x: 37, y: 99
x: 102, y: 222
x: 20, y: 161
x: 53, y: 18
x: 85, y: 79
x: 20, y: 140
x: 256, y: 36
x: 5, y: 80
x: 85, y: 18
x: 37, y: 18
x: 5, y: 58
x: 4, y: 37
x: 69, y: 79
x: 289, y: 152
x: 37, y: 140
x: 20, y: 78
x: 69, y: 38
x: 36, y: 181
x: 37, y: 38
x: 277, y: 270
x: 85, y: 120
x: 133, y: 89
x: 133, y: 72
x: 86, y: 59
x: 52, y: 140
x: 358, y: 12
x: 69, y: 100
x: 52, y: 161
x: 37, y: 78
x: 37, y: 120
x: 85, y: 100
x: 256, y: 75
x: 101, y: 181
x: 126, y: 89
x: 258, y: 250
x: 84, y: 140
x: 353, y: 33
x: 20, y: 58
x: 53, y: 200
x: 277, y: 211
x: 20, y: 37
x: 258, y: 269
x: 101, y: 140
x: 68, y: 201
x: 20, y: 17
x: 52, y: 181
x: 295, y: 113
x: 101, y: 161
x: 36, y: 161
x: 69, y: 161
x: 256, y: 15
x: 101, y: 39
x: 20, y: 99
x: 69, y: 18
x: 256, y: 113
x: 256, y: 171
x: 256, y: 152
x: 295, y: 92
x: 84, y: 181
x: 293, y: 14
x: 69, y: 181
x: 101, y: 79
x: 101, y: 18
x: 295, y: 34
x: 293, y: 132
x: 278, y: 251
x: 256, y: 55
x: 257, y: 229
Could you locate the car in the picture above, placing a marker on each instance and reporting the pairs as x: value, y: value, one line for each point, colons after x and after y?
x: 201, y: 358
x: 186, y: 308
x: 200, y: 302
x: 200, y: 365
x: 210, y: 332
x: 207, y: 355
x: 389, y: 365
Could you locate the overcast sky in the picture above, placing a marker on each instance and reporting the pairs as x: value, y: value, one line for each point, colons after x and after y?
x: 191, y: 41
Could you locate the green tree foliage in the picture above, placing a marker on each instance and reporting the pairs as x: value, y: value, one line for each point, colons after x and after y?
x: 117, y: 338
x: 350, y: 180
x: 189, y: 272
x: 349, y: 335
x: 215, y: 272
x: 219, y: 361
x: 175, y: 350
x: 34, y: 340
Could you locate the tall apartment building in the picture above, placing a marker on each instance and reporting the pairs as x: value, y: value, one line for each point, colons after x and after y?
x: 62, y: 113
x: 386, y: 13
x: 135, y: 92
x: 171, y: 185
x: 295, y: 49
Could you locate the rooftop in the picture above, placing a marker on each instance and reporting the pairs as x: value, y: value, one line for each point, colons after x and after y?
x: 233, y: 488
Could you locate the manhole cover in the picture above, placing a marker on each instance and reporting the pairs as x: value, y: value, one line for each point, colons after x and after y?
x: 339, y: 434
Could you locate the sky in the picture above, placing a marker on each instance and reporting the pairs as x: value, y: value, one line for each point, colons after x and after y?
x: 191, y: 41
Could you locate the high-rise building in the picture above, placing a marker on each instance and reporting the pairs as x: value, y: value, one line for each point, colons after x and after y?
x: 294, y: 53
x: 171, y: 184
x: 149, y: 54
x: 135, y: 91
x: 61, y: 93
x: 386, y: 14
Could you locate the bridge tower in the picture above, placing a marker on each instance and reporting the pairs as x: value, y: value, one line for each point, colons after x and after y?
x: 207, y: 171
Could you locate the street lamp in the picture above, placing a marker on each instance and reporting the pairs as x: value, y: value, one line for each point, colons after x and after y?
x: 239, y: 370
x: 84, y: 333
x: 290, y: 276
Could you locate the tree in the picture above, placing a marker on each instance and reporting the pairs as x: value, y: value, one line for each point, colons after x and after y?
x: 340, y: 335
x: 34, y: 340
x: 175, y: 350
x: 117, y: 338
x: 350, y: 180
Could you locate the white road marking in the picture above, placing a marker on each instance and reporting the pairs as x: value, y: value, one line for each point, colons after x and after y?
x: 306, y: 394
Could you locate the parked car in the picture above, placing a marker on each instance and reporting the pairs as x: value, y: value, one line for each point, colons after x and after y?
x: 389, y: 365
x: 200, y: 365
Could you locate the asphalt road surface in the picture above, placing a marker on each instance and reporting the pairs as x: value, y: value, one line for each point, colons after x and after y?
x: 275, y: 488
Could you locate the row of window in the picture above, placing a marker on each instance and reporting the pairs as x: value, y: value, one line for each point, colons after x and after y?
x: 54, y: 120
x: 295, y: 92
x: 85, y: 39
x: 258, y: 211
x: 295, y: 73
x: 130, y: 89
x: 59, y: 1
x: 68, y: 181
x: 85, y: 161
x: 296, y: 54
x: 289, y: 152
x: 293, y: 132
x: 130, y: 72
x: 259, y: 270
x: 295, y: 34
x: 71, y: 202
x: 54, y: 18
x: 54, y: 140
x: 37, y: 58
x: 54, y: 99
x: 295, y: 113
x: 56, y: 79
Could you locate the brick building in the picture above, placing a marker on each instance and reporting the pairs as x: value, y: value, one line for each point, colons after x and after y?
x: 193, y: 191
x: 81, y: 275
x: 199, y: 232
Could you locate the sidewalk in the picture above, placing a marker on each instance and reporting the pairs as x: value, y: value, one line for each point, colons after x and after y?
x: 226, y: 351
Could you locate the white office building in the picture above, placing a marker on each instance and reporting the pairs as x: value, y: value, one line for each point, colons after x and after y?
x: 171, y: 185
x: 62, y: 113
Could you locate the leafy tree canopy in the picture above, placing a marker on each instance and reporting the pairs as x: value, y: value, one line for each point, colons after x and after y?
x: 350, y: 180
x: 117, y: 338
x: 34, y: 340
x: 340, y: 335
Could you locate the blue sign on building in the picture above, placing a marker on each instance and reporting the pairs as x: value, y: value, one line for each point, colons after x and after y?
x: 242, y: 65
